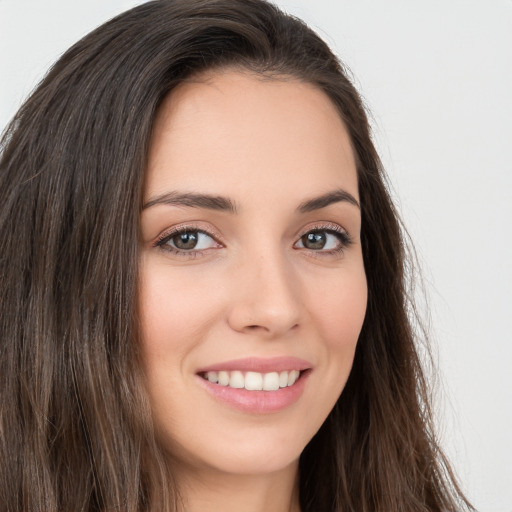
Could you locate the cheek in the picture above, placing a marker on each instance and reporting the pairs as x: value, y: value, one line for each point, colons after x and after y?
x: 173, y: 312
x: 175, y: 317
x: 339, y: 311
x: 337, y: 316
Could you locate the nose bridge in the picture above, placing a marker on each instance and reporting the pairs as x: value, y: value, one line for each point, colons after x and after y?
x: 267, y: 298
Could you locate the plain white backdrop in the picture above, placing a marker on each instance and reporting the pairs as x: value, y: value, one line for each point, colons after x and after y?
x: 437, y: 77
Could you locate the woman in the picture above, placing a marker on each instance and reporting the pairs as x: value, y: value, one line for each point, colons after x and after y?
x: 205, y: 302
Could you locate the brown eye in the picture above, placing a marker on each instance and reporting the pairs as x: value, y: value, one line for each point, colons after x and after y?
x: 314, y: 240
x: 187, y: 240
x: 324, y: 241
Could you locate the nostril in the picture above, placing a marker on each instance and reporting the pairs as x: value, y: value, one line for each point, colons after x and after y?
x: 255, y: 327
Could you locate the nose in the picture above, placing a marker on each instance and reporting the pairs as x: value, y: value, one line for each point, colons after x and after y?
x: 266, y: 298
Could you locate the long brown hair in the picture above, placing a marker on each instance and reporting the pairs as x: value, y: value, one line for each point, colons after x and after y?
x: 75, y: 427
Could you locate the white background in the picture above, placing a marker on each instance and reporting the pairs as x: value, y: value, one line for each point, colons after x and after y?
x: 437, y: 76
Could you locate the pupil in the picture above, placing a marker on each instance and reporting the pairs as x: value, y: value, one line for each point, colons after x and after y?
x: 314, y: 240
x: 185, y: 240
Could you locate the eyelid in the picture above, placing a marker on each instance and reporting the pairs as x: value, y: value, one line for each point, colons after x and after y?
x: 324, y: 226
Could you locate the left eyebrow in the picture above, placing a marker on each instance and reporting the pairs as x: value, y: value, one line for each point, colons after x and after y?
x: 335, y: 196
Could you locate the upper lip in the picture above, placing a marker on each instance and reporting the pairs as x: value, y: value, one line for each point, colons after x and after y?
x: 259, y: 364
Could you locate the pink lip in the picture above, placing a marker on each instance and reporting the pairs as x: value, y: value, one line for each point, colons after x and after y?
x: 260, y: 365
x: 258, y: 402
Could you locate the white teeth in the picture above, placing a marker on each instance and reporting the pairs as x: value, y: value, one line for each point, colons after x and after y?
x: 213, y: 377
x: 292, y: 377
x: 253, y: 381
x: 271, y: 381
x: 236, y: 380
x: 223, y: 378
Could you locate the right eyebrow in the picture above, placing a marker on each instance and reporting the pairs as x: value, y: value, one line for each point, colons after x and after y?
x: 194, y: 200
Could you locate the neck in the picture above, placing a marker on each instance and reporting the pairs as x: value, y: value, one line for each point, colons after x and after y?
x: 222, y: 492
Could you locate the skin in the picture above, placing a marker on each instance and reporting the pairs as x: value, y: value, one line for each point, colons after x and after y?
x: 253, y: 289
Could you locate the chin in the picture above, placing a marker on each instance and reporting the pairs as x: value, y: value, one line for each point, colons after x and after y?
x: 257, y: 453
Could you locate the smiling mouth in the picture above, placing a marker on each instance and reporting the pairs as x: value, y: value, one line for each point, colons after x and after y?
x: 253, y: 381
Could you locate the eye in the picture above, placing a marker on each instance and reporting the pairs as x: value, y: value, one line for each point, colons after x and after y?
x: 328, y: 240
x: 187, y: 241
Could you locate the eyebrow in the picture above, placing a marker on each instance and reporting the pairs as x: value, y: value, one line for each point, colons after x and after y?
x: 220, y: 203
x: 194, y: 200
x: 335, y: 196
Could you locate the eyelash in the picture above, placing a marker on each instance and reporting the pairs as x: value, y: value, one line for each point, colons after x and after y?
x: 343, y: 237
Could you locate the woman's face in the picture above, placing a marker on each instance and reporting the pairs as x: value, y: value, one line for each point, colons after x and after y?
x: 251, y: 270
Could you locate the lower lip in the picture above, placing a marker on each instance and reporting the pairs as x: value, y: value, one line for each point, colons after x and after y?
x: 257, y: 402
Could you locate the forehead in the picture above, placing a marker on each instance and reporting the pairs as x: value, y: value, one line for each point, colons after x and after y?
x: 246, y: 133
